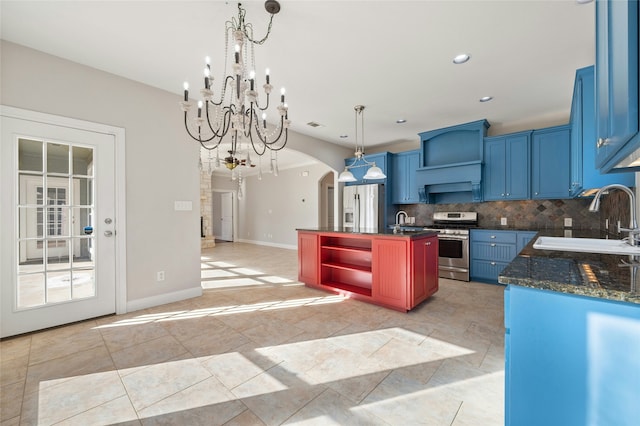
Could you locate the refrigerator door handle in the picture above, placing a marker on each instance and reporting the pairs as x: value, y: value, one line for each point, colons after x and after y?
x: 356, y: 211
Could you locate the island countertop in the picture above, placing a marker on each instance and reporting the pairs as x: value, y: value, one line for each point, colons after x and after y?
x: 595, y: 275
x: 371, y: 232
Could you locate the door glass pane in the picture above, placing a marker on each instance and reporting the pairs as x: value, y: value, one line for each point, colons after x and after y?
x: 85, y: 191
x: 31, y: 222
x: 28, y: 265
x: 31, y: 189
x: 83, y: 283
x: 57, y: 220
x: 82, y: 161
x: 57, y: 158
x: 30, y: 155
x: 82, y: 252
x: 81, y: 219
x: 58, y: 286
x: 58, y: 254
x: 30, y: 290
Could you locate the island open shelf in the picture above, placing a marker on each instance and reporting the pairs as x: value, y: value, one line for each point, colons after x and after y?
x: 395, y: 271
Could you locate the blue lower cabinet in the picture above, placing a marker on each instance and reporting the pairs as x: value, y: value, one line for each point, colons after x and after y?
x: 570, y: 360
x: 492, y: 250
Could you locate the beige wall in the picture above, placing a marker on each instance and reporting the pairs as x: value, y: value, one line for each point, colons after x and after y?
x: 161, y: 168
x: 161, y: 164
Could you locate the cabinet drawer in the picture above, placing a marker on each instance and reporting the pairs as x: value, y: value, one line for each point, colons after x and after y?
x: 493, y: 251
x: 486, y: 269
x: 492, y: 236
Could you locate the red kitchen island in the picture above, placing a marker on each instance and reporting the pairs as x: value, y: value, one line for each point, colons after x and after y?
x: 397, y: 271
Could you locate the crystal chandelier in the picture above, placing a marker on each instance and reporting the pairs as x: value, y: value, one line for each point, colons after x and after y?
x: 235, y: 115
x: 374, y: 171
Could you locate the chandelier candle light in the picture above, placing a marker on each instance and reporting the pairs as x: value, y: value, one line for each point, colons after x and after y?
x: 237, y: 117
x: 374, y: 171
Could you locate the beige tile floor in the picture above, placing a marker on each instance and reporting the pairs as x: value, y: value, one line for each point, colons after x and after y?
x: 259, y: 348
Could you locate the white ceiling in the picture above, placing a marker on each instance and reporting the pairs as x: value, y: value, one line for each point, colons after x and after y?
x: 394, y: 57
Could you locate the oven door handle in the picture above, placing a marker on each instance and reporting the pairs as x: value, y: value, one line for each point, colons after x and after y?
x: 453, y: 237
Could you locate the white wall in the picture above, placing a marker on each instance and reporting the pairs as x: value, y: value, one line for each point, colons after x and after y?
x: 161, y: 163
x: 275, y: 206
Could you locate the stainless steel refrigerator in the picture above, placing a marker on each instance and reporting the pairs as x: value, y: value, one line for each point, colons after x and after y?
x: 363, y: 208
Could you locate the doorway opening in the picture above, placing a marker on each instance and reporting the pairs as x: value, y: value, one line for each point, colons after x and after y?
x: 327, y: 201
x: 223, y: 216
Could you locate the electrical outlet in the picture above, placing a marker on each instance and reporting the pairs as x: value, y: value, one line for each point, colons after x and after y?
x: 503, y: 221
x: 160, y: 276
x: 568, y: 222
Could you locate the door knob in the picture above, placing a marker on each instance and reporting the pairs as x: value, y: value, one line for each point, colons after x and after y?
x: 108, y: 233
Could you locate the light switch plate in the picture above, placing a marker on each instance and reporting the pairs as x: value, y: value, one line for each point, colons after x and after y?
x: 183, y: 206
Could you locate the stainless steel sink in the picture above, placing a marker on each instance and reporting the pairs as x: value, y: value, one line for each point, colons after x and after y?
x: 586, y: 245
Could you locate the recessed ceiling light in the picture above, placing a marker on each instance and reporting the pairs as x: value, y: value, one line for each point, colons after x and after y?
x: 583, y: 1
x: 461, y: 59
x: 401, y: 120
x: 486, y: 98
x: 344, y: 136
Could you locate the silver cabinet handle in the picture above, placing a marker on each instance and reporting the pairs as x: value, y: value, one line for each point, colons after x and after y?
x: 493, y: 244
x: 427, y: 244
x: 493, y: 236
x: 108, y: 233
x: 493, y: 263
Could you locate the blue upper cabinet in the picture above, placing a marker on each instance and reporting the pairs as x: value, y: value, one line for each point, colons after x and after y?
x: 506, y: 167
x: 404, y: 188
x: 380, y: 159
x: 550, y: 175
x: 616, y: 82
x: 585, y: 178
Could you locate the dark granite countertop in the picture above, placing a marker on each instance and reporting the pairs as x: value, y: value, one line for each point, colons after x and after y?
x: 364, y: 231
x: 594, y: 275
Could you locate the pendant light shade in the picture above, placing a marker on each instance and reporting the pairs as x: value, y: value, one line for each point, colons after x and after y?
x: 374, y: 172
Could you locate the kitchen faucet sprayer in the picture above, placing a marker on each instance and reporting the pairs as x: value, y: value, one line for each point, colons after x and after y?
x: 633, y: 230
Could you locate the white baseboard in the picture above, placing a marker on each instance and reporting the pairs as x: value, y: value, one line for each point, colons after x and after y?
x: 265, y: 243
x: 162, y: 299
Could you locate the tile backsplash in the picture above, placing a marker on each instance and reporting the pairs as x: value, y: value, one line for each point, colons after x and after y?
x: 538, y: 214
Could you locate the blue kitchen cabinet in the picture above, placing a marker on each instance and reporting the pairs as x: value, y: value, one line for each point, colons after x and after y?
x: 523, y: 238
x: 570, y: 360
x: 380, y: 159
x: 550, y: 163
x: 492, y: 250
x: 506, y: 168
x: 616, y: 84
x: 404, y: 187
x: 585, y: 177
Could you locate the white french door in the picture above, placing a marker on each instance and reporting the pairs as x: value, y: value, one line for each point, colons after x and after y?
x: 226, y: 215
x: 58, y: 225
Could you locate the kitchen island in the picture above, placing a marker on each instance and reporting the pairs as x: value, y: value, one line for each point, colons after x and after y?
x: 572, y: 340
x: 394, y: 270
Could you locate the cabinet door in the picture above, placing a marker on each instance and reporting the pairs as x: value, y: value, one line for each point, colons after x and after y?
x: 398, y: 188
x: 425, y: 270
x: 551, y: 163
x: 523, y: 240
x: 517, y: 170
x: 308, y: 258
x: 390, y: 274
x: 616, y: 76
x: 413, y: 162
x: 494, y: 169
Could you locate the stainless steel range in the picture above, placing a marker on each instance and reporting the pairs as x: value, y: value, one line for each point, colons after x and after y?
x: 453, y: 239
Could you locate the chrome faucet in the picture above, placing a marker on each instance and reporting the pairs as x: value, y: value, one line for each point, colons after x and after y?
x: 401, y: 212
x: 633, y: 230
x: 396, y: 226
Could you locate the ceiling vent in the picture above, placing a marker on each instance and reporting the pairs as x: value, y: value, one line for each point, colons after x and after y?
x: 314, y: 124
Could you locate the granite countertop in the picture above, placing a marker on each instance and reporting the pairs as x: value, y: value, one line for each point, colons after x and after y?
x: 586, y: 274
x: 407, y: 233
